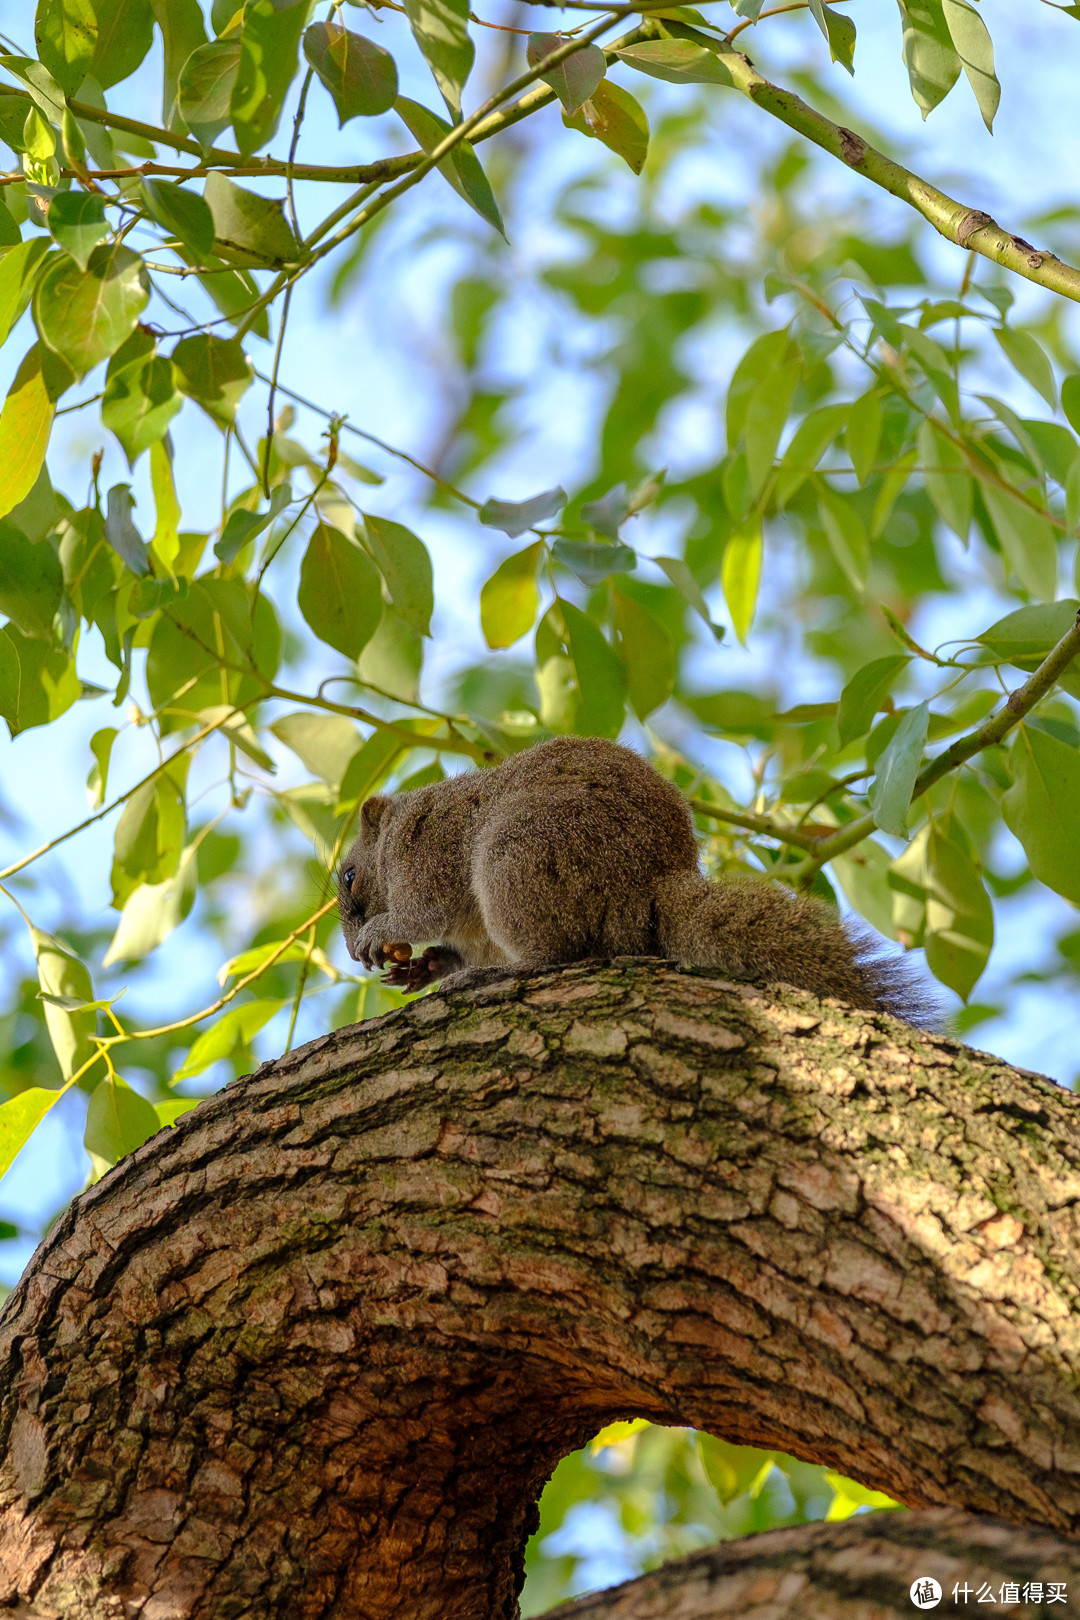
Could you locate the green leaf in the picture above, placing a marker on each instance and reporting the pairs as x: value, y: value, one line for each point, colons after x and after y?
x: 183, y: 648
x: 151, y: 912
x: 37, y: 681
x: 574, y: 79
x: 60, y: 973
x: 838, y: 30
x: 813, y: 436
x: 125, y: 34
x: 243, y: 526
x: 510, y: 598
x: 863, y: 434
x: 1027, y: 539
x: 340, y: 592
x: 932, y: 63
x: 237, y: 1027
x: 609, y: 513
x: 601, y: 679
x: 1025, y: 637
x: 121, y: 532
x: 850, y: 1497
x: 31, y: 582
x: 141, y: 398
x: 85, y: 315
x: 207, y: 81
x: 740, y: 575
x: 360, y: 76
x: 44, y: 91
x: 1027, y: 357
x: 862, y: 697
x: 325, y: 742
x: 214, y: 372
x: 183, y: 32
x: 184, y: 214
x: 959, y: 915
x: 862, y: 874
x: 239, y: 731
x: 149, y: 837
x: 269, y: 56
x: 248, y: 229
x: 65, y: 33
x: 368, y: 769
x: 592, y: 561
x: 897, y: 768
x: 403, y: 561
x: 762, y: 357
x: 690, y: 591
x: 25, y: 424
x: 1070, y: 398
x: 1042, y: 807
x: 460, y: 167
x: 17, y: 270
x: 19, y: 1118
x: 678, y: 61
x: 648, y: 654
x: 441, y: 29
x: 766, y: 413
x: 169, y: 1112
x: 118, y: 1120
x: 613, y: 116
x: 514, y: 517
x: 77, y: 223
x: 935, y: 363
x: 101, y: 747
x: 733, y: 1470
x: 848, y: 539
x: 946, y: 476
x: 971, y: 39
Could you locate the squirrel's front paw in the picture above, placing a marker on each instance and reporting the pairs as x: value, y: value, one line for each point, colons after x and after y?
x: 419, y: 972
x: 374, y: 952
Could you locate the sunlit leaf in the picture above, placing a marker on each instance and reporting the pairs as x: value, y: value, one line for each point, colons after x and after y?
x: 340, y: 592
x: 929, y: 55
x: 971, y: 40
x: 118, y: 1120
x: 676, y: 60
x: 510, y: 598
x: 862, y: 874
x: 207, y: 81
x: 839, y: 30
x: 85, y: 315
x: 688, y: 588
x: 862, y: 435
x: 809, y: 443
x: 1027, y: 357
x: 1042, y: 807
x: 101, y: 747
x: 740, y: 576
x: 248, y: 228
x: 43, y: 89
x: 441, y: 29
x: 25, y: 424
x: 237, y: 1027
x: 269, y: 57
x: 19, y: 1117
x: 576, y: 77
x: 360, y: 76
x: 141, y: 397
x: 37, y: 680
x: 846, y: 534
x: 77, y: 223
x: 65, y: 33
x: 403, y: 561
x: 183, y: 32
x: 959, y: 916
x: 1027, y: 540
x: 897, y: 768
x: 601, y: 680
x: 460, y: 167
x: 946, y: 476
x: 151, y: 912
x: 613, y: 116
x: 325, y: 742
x: 61, y: 973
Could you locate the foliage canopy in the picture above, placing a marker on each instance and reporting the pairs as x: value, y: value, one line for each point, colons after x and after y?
x: 897, y: 451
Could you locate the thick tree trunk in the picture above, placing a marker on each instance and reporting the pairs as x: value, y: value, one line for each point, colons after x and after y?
x: 314, y: 1351
x: 863, y: 1569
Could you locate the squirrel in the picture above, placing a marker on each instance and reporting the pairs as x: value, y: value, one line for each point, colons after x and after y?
x: 578, y: 848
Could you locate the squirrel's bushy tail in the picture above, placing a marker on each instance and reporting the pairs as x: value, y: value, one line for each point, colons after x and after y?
x: 756, y: 929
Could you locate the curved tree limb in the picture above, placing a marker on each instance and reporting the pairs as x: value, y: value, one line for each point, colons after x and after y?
x: 314, y: 1350
x: 862, y: 1569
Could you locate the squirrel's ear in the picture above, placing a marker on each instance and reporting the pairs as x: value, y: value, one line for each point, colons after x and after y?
x: 371, y: 813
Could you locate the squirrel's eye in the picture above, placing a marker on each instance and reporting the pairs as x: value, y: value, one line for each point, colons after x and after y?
x: 348, y: 877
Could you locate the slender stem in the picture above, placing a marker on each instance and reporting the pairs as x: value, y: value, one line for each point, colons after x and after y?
x: 799, y: 837
x: 278, y: 347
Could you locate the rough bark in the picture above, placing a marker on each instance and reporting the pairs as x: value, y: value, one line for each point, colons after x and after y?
x: 863, y: 1569
x: 314, y: 1351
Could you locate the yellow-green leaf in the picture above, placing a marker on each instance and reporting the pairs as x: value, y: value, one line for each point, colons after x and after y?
x: 25, y: 424
x: 118, y: 1120
x: 510, y: 598
x: 647, y: 652
x: 60, y: 973
x: 85, y: 315
x: 18, y: 1119
x: 740, y: 576
x: 340, y: 592
x: 1042, y: 807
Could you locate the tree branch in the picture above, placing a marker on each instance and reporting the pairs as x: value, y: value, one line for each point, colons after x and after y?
x: 339, y: 1323
x: 967, y: 227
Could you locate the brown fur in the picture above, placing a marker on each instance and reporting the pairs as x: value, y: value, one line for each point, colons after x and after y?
x: 577, y: 848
